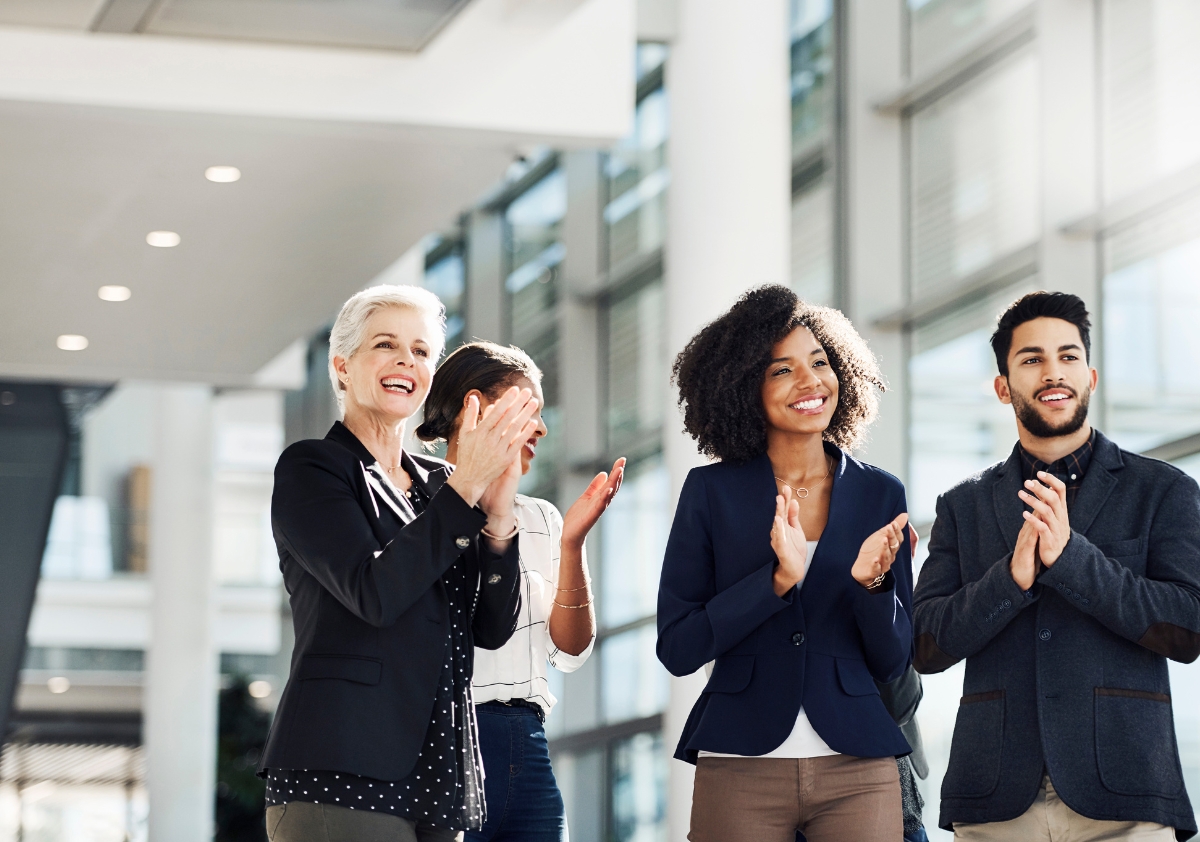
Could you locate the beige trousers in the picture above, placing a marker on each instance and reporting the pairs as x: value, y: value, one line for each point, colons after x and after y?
x: 1050, y: 820
x: 300, y: 821
x: 767, y: 799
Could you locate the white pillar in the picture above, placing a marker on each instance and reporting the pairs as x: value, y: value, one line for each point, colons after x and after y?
x: 728, y: 217
x: 180, y: 708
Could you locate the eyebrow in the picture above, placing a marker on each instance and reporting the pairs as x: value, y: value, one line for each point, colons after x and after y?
x: 393, y: 336
x: 786, y: 359
x: 1033, y: 349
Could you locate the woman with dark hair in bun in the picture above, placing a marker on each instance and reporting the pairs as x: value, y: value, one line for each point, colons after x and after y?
x: 789, y: 565
x: 557, y: 625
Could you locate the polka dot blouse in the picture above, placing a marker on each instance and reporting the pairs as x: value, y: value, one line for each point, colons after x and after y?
x: 445, y: 788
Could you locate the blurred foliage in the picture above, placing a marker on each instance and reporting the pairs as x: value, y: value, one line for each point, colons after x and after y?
x: 241, y: 737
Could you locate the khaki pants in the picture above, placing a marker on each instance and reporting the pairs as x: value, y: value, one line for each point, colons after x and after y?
x: 767, y: 799
x: 300, y: 821
x: 1050, y: 820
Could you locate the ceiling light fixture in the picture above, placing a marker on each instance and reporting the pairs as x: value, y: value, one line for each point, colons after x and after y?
x: 162, y: 239
x: 114, y: 292
x: 71, y: 342
x: 223, y: 175
x: 58, y: 684
x: 259, y: 689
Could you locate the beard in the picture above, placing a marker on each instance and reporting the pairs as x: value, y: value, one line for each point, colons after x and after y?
x: 1027, y: 413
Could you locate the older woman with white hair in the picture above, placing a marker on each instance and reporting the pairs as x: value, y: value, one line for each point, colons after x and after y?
x: 396, y: 568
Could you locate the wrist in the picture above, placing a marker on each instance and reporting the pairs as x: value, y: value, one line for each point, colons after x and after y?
x: 782, y: 582
x: 470, y: 491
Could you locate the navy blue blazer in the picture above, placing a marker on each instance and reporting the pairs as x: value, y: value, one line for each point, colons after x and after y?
x: 822, y: 647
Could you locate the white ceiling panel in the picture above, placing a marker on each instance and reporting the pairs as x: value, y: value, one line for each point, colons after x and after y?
x: 69, y: 14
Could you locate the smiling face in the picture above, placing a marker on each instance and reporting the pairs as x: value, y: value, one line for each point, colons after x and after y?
x: 529, y: 450
x: 1049, y: 382
x: 800, y: 388
x: 388, y: 376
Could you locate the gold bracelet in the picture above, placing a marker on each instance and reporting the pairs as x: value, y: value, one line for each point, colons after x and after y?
x: 513, y: 534
x: 572, y: 590
x: 560, y: 605
x: 878, y: 581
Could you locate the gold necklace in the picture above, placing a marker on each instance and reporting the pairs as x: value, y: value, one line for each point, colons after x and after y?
x: 802, y: 492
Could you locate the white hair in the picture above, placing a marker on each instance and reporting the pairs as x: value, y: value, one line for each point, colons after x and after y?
x: 350, y: 327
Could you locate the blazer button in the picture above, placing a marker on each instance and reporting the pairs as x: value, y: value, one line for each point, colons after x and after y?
x: 462, y: 542
x: 1008, y: 603
x: 1044, y: 634
x: 494, y: 578
x: 798, y: 638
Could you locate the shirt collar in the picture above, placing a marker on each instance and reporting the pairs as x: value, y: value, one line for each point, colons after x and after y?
x: 1070, y: 468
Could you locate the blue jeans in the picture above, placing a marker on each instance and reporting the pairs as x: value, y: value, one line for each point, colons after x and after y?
x: 523, y: 801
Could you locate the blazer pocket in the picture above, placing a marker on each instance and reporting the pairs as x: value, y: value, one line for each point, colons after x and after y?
x: 855, y: 678
x: 1122, y: 549
x: 975, y: 749
x: 731, y: 674
x: 346, y: 667
x: 1135, y: 743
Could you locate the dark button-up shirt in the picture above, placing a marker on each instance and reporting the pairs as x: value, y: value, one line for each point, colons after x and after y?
x: 1070, y: 469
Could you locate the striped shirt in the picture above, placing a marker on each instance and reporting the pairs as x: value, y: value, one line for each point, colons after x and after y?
x: 517, y: 670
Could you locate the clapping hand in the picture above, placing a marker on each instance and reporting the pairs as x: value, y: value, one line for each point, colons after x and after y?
x: 878, y: 552
x: 788, y: 542
x: 585, y: 511
x: 489, y: 444
x: 1049, y: 519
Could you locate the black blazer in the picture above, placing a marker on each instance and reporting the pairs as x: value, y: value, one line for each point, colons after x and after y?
x: 821, y: 648
x: 1072, y: 679
x: 370, y: 612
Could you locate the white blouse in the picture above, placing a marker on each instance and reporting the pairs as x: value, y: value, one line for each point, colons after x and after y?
x: 804, y: 741
x: 517, y: 670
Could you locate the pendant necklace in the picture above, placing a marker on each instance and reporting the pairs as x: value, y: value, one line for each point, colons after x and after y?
x: 802, y: 492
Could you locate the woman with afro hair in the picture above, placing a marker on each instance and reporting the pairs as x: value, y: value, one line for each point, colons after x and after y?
x: 789, y: 565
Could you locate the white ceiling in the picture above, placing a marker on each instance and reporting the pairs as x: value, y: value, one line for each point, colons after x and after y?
x: 320, y: 210
x: 384, y: 24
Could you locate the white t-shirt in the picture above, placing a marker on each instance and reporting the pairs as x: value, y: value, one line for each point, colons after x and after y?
x: 517, y: 670
x: 804, y: 741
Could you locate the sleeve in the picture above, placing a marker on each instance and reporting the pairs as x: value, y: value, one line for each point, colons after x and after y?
x: 498, y: 608
x: 696, y: 623
x: 560, y: 660
x: 1160, y: 610
x: 884, y: 618
x: 954, y: 620
x: 318, y: 520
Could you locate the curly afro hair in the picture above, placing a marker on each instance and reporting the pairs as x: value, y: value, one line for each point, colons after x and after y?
x: 720, y: 373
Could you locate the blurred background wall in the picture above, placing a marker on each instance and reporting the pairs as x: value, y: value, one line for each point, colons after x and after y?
x: 192, y: 187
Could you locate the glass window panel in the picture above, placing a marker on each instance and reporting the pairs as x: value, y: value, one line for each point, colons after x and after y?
x: 446, y: 278
x: 637, y: 366
x: 1150, y: 381
x: 937, y: 28
x: 535, y: 253
x: 957, y: 425
x: 812, y: 67
x: 639, y: 789
x: 1151, y: 102
x: 581, y: 780
x: 633, y: 540
x: 637, y: 178
x: 975, y: 175
x: 812, y: 242
x: 633, y: 683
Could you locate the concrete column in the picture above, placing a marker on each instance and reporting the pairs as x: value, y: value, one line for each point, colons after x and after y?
x: 180, y: 708
x: 872, y: 39
x: 728, y: 217
x: 1070, y: 147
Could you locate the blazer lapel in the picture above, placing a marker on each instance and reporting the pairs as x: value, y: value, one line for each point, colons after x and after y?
x: 1098, y: 483
x: 1008, y: 505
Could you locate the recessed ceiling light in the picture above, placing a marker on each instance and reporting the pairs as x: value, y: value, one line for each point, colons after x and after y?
x: 58, y: 684
x: 163, y: 239
x: 72, y: 342
x: 259, y: 689
x: 223, y: 175
x: 114, y: 292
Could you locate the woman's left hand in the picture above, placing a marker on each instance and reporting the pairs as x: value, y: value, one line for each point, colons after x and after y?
x: 585, y: 511
x: 879, y: 551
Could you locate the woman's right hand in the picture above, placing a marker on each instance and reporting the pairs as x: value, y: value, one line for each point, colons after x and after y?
x: 788, y: 542
x: 877, y: 553
x: 488, y: 443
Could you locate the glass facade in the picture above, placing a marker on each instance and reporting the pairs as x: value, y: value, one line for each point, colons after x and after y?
x: 974, y: 175
x: 938, y: 29
x: 812, y: 71
x: 445, y: 276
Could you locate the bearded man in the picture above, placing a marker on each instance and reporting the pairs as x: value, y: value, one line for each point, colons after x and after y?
x: 1066, y: 576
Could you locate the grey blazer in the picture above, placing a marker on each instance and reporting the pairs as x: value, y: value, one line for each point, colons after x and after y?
x: 1072, y: 677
